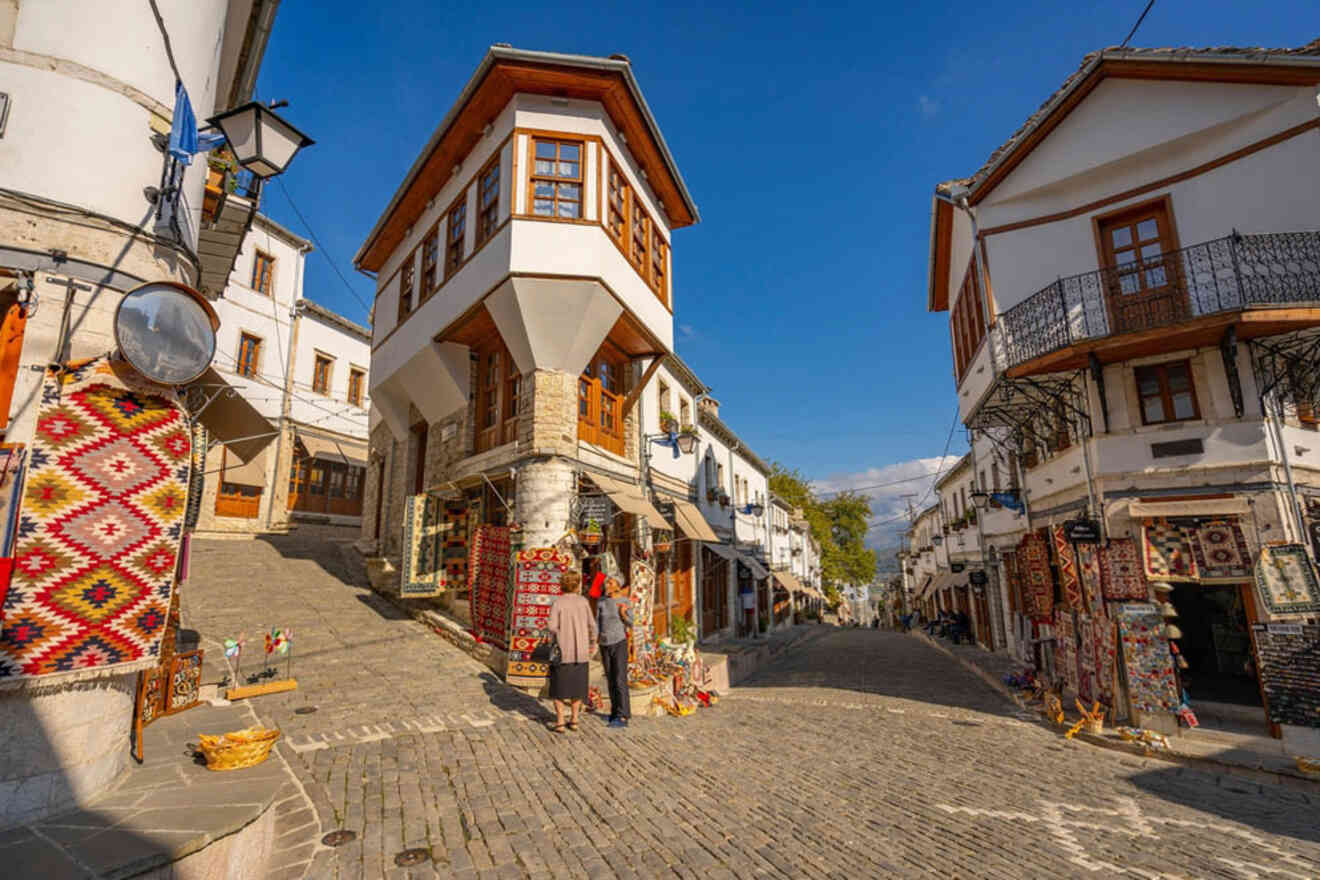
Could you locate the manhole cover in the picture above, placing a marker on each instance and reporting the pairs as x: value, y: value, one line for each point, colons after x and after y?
x: 339, y: 838
x: 304, y: 710
x: 410, y: 857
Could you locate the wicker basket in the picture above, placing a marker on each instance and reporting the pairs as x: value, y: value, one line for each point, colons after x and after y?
x: 239, y: 749
x: 1094, y: 726
x: 1309, y: 766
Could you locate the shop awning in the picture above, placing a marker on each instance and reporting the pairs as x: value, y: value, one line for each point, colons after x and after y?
x: 692, y: 523
x: 943, y: 581
x: 630, y: 499
x: 252, y: 473
x: 1201, y: 507
x: 758, y: 570
x: 791, y: 583
x: 334, y: 449
x: 230, y: 419
x: 724, y: 551
x: 924, y: 589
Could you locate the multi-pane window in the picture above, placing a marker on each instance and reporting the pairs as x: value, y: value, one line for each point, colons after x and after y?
x: 513, y: 397
x: 557, y: 179
x: 640, y: 235
x: 488, y: 201
x: 684, y: 412
x: 405, y: 287
x: 617, y: 219
x: 663, y: 396
x: 430, y: 255
x: 454, y: 237
x: 1167, y: 393
x: 355, y: 379
x: 491, y: 386
x: 249, y: 348
x: 263, y: 268
x: 658, y: 252
x: 321, y: 374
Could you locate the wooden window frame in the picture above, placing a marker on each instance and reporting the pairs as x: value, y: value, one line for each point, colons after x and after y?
x: 317, y: 359
x: 659, y: 275
x: 357, y: 377
x: 429, y: 281
x: 1169, y: 242
x: 556, y: 179
x: 616, y: 204
x: 488, y: 216
x: 600, y: 403
x: 244, y: 336
x: 264, y: 286
x: 407, y: 281
x: 455, y: 247
x: 1166, y: 396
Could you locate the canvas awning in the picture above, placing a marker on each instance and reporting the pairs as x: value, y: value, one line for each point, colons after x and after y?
x: 1200, y: 507
x: 230, y: 419
x: 251, y: 473
x: 334, y: 449
x: 692, y: 523
x: 942, y: 581
x: 758, y: 570
x: 790, y: 582
x: 724, y: 551
x: 630, y: 499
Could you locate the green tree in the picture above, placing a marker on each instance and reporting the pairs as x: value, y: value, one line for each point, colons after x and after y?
x: 838, y: 525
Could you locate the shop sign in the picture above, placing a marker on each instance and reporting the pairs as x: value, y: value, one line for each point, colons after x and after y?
x: 978, y: 578
x: 595, y: 507
x: 1082, y: 531
x: 1285, y: 629
x: 957, y: 567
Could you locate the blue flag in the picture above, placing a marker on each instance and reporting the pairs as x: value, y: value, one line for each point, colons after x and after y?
x: 185, y: 140
x: 1009, y: 500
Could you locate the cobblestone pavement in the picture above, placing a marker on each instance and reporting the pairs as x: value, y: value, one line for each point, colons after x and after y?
x: 862, y: 754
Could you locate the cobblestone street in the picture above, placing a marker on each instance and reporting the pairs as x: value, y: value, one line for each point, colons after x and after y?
x: 861, y: 754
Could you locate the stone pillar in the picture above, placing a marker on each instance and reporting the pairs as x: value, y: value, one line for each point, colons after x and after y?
x: 545, y: 492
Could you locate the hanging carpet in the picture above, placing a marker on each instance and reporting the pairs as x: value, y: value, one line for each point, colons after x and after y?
x: 1285, y: 580
x: 1104, y: 648
x: 1150, y: 678
x: 1088, y: 572
x: 1221, y: 552
x: 1068, y: 578
x: 423, y: 538
x: 454, y: 552
x: 1122, y: 577
x: 537, y: 576
x: 1166, y: 551
x: 488, y: 577
x: 1065, y: 649
x: 642, y: 593
x: 1034, y: 561
x: 102, y: 516
x: 1086, y: 671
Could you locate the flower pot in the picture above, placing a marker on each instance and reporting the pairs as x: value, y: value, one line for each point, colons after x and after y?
x: 662, y: 546
x: 589, y: 539
x: 669, y: 426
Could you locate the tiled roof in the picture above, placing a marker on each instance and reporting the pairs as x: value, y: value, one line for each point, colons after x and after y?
x: 1117, y: 53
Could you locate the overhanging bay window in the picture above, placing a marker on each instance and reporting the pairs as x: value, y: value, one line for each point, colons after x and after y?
x: 557, y: 179
x: 600, y: 400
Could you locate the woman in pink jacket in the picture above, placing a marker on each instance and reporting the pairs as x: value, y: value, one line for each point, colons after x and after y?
x: 574, y: 627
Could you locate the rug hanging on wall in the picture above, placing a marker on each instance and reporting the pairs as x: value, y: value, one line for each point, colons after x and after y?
x: 102, y: 515
x: 1033, y: 556
x: 1122, y: 577
x: 1068, y: 576
x: 1065, y: 649
x: 1088, y: 572
x: 1285, y: 579
x: 197, y: 475
x: 1221, y: 552
x: 1104, y: 646
x: 423, y: 538
x: 454, y: 551
x: 1086, y: 671
x: 537, y: 576
x: 1166, y: 551
x: 641, y: 589
x: 489, y: 571
x: 1151, y: 683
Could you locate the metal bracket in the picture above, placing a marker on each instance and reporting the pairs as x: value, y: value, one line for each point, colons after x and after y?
x: 1098, y: 374
x: 1228, y: 351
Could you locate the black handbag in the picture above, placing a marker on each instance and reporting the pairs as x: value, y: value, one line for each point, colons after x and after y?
x: 547, y: 651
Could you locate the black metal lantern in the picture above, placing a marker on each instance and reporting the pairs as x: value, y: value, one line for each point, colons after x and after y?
x: 260, y: 139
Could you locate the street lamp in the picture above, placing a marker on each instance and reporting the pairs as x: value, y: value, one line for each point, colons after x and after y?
x: 753, y: 509
x: 261, y: 140
x: 981, y: 499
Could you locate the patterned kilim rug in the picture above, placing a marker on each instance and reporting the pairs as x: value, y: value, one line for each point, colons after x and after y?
x: 1121, y: 575
x: 423, y: 536
x: 1088, y: 572
x: 1285, y: 580
x: 1012, y: 579
x: 454, y: 553
x: 1086, y: 677
x: 642, y: 593
x: 1034, y: 560
x: 1104, y: 647
x: 489, y: 571
x: 103, y: 509
x: 1068, y: 578
x: 1146, y: 657
x: 1166, y: 551
x: 1065, y: 649
x: 1221, y: 552
x: 537, y: 576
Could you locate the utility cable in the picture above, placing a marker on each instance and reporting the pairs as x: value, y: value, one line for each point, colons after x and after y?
x: 1133, y: 32
x: 317, y: 241
x: 165, y: 35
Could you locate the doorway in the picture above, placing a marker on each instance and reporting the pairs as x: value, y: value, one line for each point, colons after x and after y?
x: 1220, y: 672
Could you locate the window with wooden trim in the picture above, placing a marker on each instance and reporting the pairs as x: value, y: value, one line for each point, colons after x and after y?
x: 1167, y: 393
x: 321, y: 374
x: 430, y: 260
x: 263, y: 272
x: 967, y: 322
x: 556, y: 178
x: 641, y: 235
x: 498, y: 394
x: 405, y: 288
x: 662, y: 398
x: 456, y: 232
x: 684, y: 412
x: 600, y: 400
x: 659, y: 265
x: 616, y: 214
x: 490, y: 388
x: 513, y: 395
x: 488, y: 201
x: 249, y: 353
x: 356, y: 379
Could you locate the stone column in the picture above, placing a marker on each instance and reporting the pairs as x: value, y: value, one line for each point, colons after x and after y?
x: 545, y: 492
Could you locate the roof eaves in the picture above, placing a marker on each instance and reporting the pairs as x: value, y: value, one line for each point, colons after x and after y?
x: 954, y: 471
x: 684, y: 373
x: 284, y: 232
x: 337, y: 319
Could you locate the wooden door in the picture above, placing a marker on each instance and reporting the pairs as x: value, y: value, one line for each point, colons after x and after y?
x: 1142, y: 275
x: 682, y: 579
x: 298, y: 484
x: 714, y: 601
x: 1248, y: 594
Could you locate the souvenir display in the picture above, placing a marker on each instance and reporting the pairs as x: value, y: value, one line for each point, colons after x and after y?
x: 1166, y: 552
x: 642, y: 595
x: 1104, y: 646
x: 489, y: 571
x: 1285, y: 580
x: 1221, y: 552
x: 1034, y: 562
x: 1290, y: 671
x: 1122, y: 577
x: 423, y: 539
x: 1065, y: 649
x: 103, y: 508
x: 1069, y: 579
x: 1086, y: 657
x: 1146, y: 657
x: 185, y: 682
x: 454, y: 549
x: 537, y: 577
x: 1088, y: 572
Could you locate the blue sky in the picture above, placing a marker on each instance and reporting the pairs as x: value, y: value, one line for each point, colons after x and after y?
x: 811, y: 141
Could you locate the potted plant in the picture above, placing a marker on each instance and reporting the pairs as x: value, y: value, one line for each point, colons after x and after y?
x: 971, y: 517
x: 712, y: 494
x: 663, y: 542
x: 724, y: 498
x: 668, y: 422
x: 590, y: 536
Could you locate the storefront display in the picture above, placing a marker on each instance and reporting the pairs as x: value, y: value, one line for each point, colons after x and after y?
x: 1035, y: 562
x: 423, y: 572
x: 1088, y: 572
x: 1151, y: 681
x: 1122, y: 577
x: 1167, y: 552
x: 1069, y: 579
x: 1221, y: 552
x: 537, y: 577
x: 1290, y: 671
x: 1065, y: 650
x: 1286, y: 580
x: 489, y: 570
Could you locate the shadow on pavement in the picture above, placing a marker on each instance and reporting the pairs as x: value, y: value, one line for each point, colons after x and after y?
x: 510, y: 699
x: 1292, y: 813
x: 326, y: 553
x: 382, y: 606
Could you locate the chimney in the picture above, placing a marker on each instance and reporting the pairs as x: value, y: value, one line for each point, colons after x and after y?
x: 710, y: 405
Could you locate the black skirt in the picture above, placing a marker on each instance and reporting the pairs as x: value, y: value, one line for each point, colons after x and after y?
x: 568, y: 681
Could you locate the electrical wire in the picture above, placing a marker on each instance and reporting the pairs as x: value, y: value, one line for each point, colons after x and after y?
x: 165, y: 35
x: 311, y: 233
x: 1133, y: 32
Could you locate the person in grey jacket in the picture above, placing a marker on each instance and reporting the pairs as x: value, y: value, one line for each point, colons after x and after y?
x: 613, y: 618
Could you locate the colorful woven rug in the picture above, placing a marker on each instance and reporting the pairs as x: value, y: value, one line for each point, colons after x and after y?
x: 1065, y: 650
x: 1088, y: 572
x: 1166, y: 551
x: 1104, y: 647
x: 1067, y: 561
x: 642, y: 592
x: 1121, y: 575
x: 1285, y: 580
x: 423, y: 537
x: 489, y: 572
x: 1221, y: 552
x: 103, y: 509
x: 1151, y: 683
x: 537, y: 575
x: 454, y: 549
x: 1034, y: 560
x: 1086, y: 672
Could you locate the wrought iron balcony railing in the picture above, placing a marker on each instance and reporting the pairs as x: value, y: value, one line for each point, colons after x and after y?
x: 1224, y: 275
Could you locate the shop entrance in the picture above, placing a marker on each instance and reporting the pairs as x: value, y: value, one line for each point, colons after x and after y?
x: 1220, y: 675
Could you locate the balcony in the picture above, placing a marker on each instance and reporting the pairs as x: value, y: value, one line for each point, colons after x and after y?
x: 1180, y: 299
x: 231, y: 200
